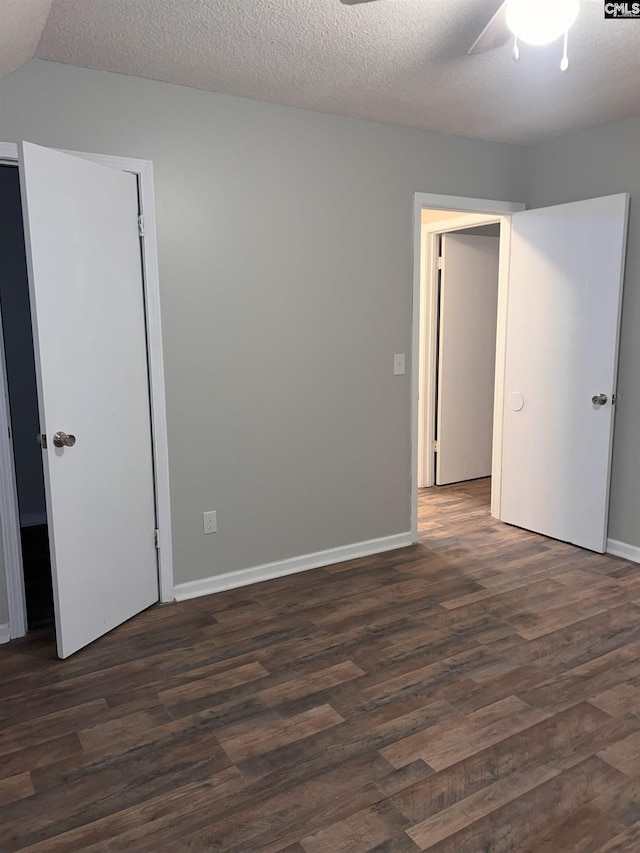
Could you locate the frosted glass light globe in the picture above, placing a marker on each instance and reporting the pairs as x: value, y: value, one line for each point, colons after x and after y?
x: 541, y: 21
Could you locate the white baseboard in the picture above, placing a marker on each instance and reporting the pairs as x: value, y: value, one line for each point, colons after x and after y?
x: 31, y: 519
x: 268, y: 571
x: 621, y: 549
x: 5, y: 636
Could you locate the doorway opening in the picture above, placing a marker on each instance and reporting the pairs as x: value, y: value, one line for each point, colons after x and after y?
x: 561, y: 270
x: 435, y: 217
x: 17, y: 337
x: 459, y: 277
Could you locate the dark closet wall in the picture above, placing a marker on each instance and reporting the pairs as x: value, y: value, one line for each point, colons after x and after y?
x: 18, y: 342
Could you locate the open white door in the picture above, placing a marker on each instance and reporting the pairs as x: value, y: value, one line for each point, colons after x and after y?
x: 563, y: 318
x: 466, y: 356
x: 87, y: 306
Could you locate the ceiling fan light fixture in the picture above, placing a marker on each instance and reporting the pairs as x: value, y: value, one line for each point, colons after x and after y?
x: 540, y: 22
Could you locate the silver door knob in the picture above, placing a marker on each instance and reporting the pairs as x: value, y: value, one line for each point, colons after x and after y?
x: 599, y: 399
x: 61, y: 439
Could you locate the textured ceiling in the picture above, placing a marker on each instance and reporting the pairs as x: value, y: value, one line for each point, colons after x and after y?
x: 398, y: 61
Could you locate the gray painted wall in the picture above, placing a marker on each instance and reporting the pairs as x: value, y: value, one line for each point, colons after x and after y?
x: 597, y: 162
x: 285, y: 263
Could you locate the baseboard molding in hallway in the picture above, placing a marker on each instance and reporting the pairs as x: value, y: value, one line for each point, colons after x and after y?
x: 621, y: 549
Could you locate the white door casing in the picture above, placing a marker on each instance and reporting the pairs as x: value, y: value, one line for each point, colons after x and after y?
x: 565, y: 293
x: 83, y: 255
x: 467, y: 355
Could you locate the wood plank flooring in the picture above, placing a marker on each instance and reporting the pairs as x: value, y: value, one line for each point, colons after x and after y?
x: 476, y: 693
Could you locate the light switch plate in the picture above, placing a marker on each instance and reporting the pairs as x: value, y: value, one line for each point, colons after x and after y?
x: 398, y: 364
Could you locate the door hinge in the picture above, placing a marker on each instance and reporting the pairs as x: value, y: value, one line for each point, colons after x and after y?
x: 436, y: 446
x: 440, y: 262
x: 156, y: 538
x: 141, y: 226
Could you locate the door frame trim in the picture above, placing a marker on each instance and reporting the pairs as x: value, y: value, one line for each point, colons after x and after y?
x: 9, y: 520
x: 423, y: 337
x: 9, y: 515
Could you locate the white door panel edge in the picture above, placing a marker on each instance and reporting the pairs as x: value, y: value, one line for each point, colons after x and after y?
x: 85, y: 278
x: 467, y: 355
x: 143, y: 169
x: 563, y: 320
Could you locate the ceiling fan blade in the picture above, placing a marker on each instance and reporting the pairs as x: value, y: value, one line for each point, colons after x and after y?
x: 494, y: 35
x: 354, y: 2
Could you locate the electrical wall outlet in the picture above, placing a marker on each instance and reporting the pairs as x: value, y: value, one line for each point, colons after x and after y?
x: 210, y: 521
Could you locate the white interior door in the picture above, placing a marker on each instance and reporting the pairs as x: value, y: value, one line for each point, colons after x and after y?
x: 87, y: 305
x: 563, y: 317
x: 466, y: 356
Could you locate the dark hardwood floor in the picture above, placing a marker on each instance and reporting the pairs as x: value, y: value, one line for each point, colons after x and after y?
x: 476, y: 693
